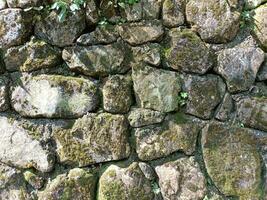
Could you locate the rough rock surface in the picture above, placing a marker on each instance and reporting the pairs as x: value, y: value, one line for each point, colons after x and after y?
x: 156, y: 89
x: 94, y: 138
x: 2, y: 4
x: 224, y: 148
x: 173, y: 13
x: 181, y: 179
x: 23, y: 3
x: 4, y: 92
x: 92, y: 11
x: 226, y: 108
x: 262, y: 73
x: 250, y: 4
x: 53, y: 96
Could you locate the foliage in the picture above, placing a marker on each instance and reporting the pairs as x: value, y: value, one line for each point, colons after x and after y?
x: 155, y: 187
x: 247, y: 20
x: 182, y: 98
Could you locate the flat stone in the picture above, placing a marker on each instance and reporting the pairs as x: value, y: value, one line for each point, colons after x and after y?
x: 53, y: 96
x: 34, y: 55
x: 94, y: 138
x: 4, y: 93
x: 181, y: 179
x: 173, y: 13
x: 260, y: 21
x: 156, y: 89
x: 232, y: 160
x: 124, y: 183
x: 215, y: 21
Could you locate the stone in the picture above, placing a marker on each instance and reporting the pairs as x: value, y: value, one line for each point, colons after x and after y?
x: 117, y: 94
x: 260, y: 21
x: 252, y: 112
x: 23, y: 3
x: 33, y: 179
x: 173, y: 13
x: 215, y: 21
x: 132, y: 12
x: 141, y: 32
x: 185, y: 52
x: 181, y: 179
x: 139, y: 117
x: 91, y: 16
x: 94, y: 138
x: 204, y: 94
x: 14, y: 138
x: 250, y: 4
x: 157, y: 141
x: 226, y: 108
x: 77, y: 184
x: 124, y: 183
x: 148, y: 171
x: 262, y: 73
x: 156, y: 89
x: 57, y: 33
x: 102, y: 35
x: 3, y: 4
x: 151, y: 9
x: 2, y: 64
x: 108, y: 10
x: 53, y: 96
x: 4, y: 93
x: 15, y: 27
x: 33, y: 55
x: 99, y: 60
x: 232, y: 160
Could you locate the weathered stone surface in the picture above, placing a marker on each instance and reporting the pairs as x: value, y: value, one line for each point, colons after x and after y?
x: 132, y: 12
x: 2, y: 64
x: 109, y: 10
x: 19, y: 149
x: 15, y: 27
x: 92, y: 16
x: 250, y: 4
x: 60, y: 33
x: 186, y: 52
x: 252, y: 112
x: 262, y: 73
x: 147, y: 170
x: 215, y: 21
x: 124, y: 183
x: 261, y: 25
x: 33, y: 179
x: 94, y: 138
x: 156, y: 89
x: 101, y: 35
x: 181, y: 179
x: 3, y: 4
x: 34, y: 55
x: 139, y: 117
x: 23, y: 3
x: 226, y: 108
x: 53, y: 96
x: 173, y: 13
x: 78, y: 184
x: 4, y: 92
x: 141, y: 32
x: 117, y: 94
x: 156, y: 141
x: 151, y: 8
x: 239, y: 66
x: 100, y: 60
x: 204, y: 94
x: 232, y: 160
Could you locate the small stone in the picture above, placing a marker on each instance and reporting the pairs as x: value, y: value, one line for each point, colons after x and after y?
x: 34, y: 180
x: 59, y: 33
x: 100, y: 60
x: 181, y: 179
x: 214, y: 20
x: 23, y: 3
x: 117, y: 94
x: 94, y: 138
x: 226, y: 108
x: 186, y: 52
x: 124, y: 183
x: 34, y: 55
x: 232, y: 160
x: 141, y: 32
x: 173, y: 13
x: 261, y: 24
x: 92, y: 16
x: 204, y: 94
x: 252, y: 112
x: 139, y: 117
x: 53, y: 96
x: 4, y: 93
x: 239, y: 66
x: 78, y: 184
x: 15, y: 27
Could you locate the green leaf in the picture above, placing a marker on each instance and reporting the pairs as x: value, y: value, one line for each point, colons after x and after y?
x: 74, y: 7
x: 122, y: 5
x: 62, y: 15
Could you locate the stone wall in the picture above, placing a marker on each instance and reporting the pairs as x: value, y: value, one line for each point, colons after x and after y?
x: 146, y: 101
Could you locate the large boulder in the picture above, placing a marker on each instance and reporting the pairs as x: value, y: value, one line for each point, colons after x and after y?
x: 215, y: 20
x: 232, y: 160
x: 4, y: 93
x: 33, y: 55
x: 181, y: 179
x: 94, y: 138
x: 15, y: 27
x: 156, y: 89
x: 53, y: 96
x: 173, y: 13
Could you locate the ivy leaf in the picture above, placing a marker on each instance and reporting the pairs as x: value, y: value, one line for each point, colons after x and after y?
x: 121, y: 4
x: 62, y: 15
x: 74, y: 7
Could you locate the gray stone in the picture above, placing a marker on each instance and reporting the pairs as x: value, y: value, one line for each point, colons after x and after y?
x: 4, y: 93
x: 33, y: 55
x: 262, y: 73
x: 250, y: 4
x: 92, y: 16
x: 61, y: 34
x: 94, y: 138
x: 181, y: 179
x: 141, y: 32
x: 23, y: 3
x: 3, y: 4
x: 173, y: 13
x: 226, y: 108
x: 215, y: 21
x: 151, y: 9
x: 132, y: 12
x: 156, y: 89
x: 204, y: 94
x: 260, y: 29
x: 239, y: 66
x: 53, y: 96
x: 147, y: 170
